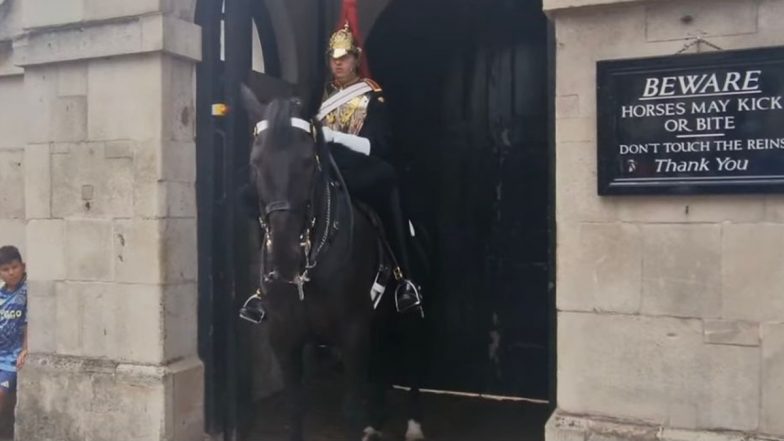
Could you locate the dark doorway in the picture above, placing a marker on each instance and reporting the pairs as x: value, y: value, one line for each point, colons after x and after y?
x: 467, y: 87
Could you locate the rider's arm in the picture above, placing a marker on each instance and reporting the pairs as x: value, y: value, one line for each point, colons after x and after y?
x: 373, y: 139
x: 376, y: 128
x: 356, y: 143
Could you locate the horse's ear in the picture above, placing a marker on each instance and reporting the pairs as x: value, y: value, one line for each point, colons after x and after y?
x: 252, y: 105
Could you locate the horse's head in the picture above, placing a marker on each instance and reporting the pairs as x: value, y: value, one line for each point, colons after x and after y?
x: 284, y: 173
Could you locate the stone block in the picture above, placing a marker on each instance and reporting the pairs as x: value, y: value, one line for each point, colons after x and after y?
x: 752, y: 258
x: 769, y: 23
x: 12, y: 184
x: 187, y: 398
x: 655, y: 370
x: 180, y: 250
x: 179, y: 114
x: 88, y: 250
x: 555, y: 5
x: 164, y: 176
x: 178, y: 161
x: 665, y: 21
x: 729, y: 388
x: 40, y: 13
x: 12, y: 19
x: 576, y: 129
x: 585, y: 37
x: 52, y: 118
x: 46, y: 249
x: 564, y: 428
x: 567, y: 106
x: 88, y: 182
x: 12, y: 232
x: 774, y: 208
x: 68, y: 312
x: 80, y: 399
x: 37, y: 181
x: 686, y: 209
x: 137, y: 251
x: 180, y: 36
x: 103, y: 9
x: 681, y: 270
x: 180, y: 321
x: 72, y: 79
x: 70, y: 119
x: 184, y: 10
x: 12, y: 117
x: 180, y: 199
x: 772, y: 379
x: 101, y: 39
x: 672, y: 434
x: 599, y: 267
x: 576, y: 193
x: 730, y: 332
x: 119, y: 150
x: 131, y: 112
x: 122, y: 322
x: 41, y: 317
x: 8, y: 67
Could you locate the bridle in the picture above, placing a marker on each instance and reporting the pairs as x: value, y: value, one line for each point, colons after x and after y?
x: 310, y: 252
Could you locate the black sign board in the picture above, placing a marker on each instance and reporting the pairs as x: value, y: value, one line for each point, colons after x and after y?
x: 690, y: 124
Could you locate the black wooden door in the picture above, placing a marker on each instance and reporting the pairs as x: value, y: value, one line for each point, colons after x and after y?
x: 467, y: 90
x: 226, y: 272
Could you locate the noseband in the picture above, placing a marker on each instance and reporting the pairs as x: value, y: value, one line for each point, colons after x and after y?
x: 311, y: 254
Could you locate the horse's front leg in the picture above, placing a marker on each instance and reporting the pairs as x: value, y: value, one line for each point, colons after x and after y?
x: 290, y: 358
x: 356, y: 355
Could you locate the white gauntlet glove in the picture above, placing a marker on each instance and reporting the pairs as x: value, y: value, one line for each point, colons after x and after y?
x: 353, y: 142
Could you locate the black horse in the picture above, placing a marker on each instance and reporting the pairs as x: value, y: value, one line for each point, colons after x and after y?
x: 320, y: 257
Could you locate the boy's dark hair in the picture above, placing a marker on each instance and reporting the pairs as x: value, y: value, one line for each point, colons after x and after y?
x: 8, y: 254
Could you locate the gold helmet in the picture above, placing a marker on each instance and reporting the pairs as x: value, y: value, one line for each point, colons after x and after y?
x: 343, y: 43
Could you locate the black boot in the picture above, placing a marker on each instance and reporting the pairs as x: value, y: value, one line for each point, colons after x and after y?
x: 407, y: 295
x: 253, y: 309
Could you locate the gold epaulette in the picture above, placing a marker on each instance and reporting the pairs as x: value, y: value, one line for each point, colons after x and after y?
x: 375, y: 86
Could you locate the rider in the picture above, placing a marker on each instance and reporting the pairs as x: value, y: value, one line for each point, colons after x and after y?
x: 355, y: 122
x: 355, y: 113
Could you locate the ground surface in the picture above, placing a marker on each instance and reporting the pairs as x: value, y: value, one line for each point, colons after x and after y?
x: 447, y: 418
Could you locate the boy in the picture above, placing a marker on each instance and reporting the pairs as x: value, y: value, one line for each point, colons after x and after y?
x: 13, y: 329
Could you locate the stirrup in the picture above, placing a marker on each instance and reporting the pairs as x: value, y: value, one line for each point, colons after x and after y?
x: 253, y: 310
x: 407, y: 297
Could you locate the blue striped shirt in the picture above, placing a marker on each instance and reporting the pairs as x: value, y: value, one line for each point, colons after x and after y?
x: 13, y: 320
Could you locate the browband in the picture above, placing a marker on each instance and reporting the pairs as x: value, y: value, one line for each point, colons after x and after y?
x: 295, y: 122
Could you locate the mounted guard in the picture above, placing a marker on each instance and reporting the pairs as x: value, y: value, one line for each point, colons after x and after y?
x: 355, y: 123
x: 354, y: 114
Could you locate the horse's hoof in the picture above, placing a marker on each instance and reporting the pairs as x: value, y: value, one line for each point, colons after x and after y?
x: 414, y: 431
x: 371, y: 434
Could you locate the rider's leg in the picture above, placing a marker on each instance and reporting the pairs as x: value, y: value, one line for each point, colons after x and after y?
x: 407, y: 295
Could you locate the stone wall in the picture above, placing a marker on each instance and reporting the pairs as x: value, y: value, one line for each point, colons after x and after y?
x: 12, y: 140
x: 101, y: 158
x: 670, y: 309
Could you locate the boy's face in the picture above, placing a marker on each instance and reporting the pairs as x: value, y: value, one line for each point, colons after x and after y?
x: 12, y: 273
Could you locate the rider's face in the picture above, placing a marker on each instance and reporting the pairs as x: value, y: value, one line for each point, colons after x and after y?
x: 344, y: 68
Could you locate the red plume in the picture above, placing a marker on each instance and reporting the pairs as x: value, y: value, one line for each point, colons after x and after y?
x: 350, y: 15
